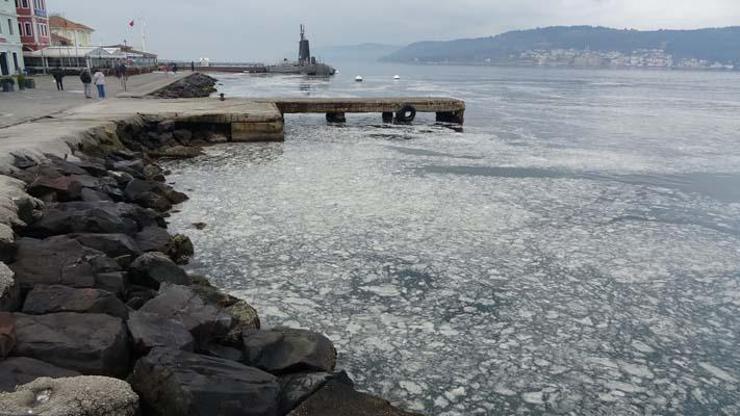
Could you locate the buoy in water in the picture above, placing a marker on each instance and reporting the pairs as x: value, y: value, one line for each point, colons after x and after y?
x: 358, y: 78
x: 397, y: 77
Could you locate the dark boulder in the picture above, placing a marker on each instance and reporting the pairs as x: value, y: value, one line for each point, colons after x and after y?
x: 93, y: 217
x: 138, y: 296
x: 153, y: 172
x: 286, y: 350
x: 206, y: 322
x: 52, y: 299
x: 153, y: 239
x: 183, y: 136
x: 16, y: 371
x: 338, y: 398
x: 114, y: 282
x: 152, y: 194
x: 10, y: 290
x: 181, y: 249
x: 113, y: 245
x: 153, y: 269
x: 7, y: 243
x: 62, y: 188
x: 93, y: 344
x: 243, y: 315
x: 91, y: 195
x: 7, y: 334
x: 133, y: 167
x: 296, y: 388
x: 151, y: 331
x: 177, y: 383
x: 56, y: 260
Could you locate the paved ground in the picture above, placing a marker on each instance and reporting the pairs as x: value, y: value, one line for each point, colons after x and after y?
x: 21, y: 106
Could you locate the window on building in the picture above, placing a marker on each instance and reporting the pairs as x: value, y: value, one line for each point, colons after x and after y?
x: 20, y: 29
x: 29, y: 29
x: 10, y: 27
x: 1, y: 27
x: 24, y: 4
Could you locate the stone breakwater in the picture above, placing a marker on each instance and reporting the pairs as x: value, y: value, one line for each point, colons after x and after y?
x: 98, y: 317
x: 193, y: 86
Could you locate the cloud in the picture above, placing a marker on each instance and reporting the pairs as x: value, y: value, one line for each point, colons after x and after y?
x: 248, y: 30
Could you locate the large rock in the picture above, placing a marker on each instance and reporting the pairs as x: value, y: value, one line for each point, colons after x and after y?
x: 296, y: 388
x: 153, y: 194
x: 52, y: 299
x: 153, y: 269
x: 89, y: 343
x: 285, y: 350
x: 339, y: 398
x: 56, y: 260
x: 243, y: 315
x: 153, y: 239
x: 93, y: 217
x: 78, y: 396
x: 177, y: 383
x: 150, y: 331
x: 206, y: 322
x: 7, y: 244
x: 16, y: 371
x: 7, y: 334
x: 114, y: 245
x: 178, y: 247
x: 10, y: 290
x: 62, y: 188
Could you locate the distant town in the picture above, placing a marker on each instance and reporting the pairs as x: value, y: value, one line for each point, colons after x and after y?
x: 641, y: 58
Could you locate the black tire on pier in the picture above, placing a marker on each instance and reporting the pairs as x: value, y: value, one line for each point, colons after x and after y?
x: 406, y: 114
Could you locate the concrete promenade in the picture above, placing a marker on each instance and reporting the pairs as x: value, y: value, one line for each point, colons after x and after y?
x: 28, y: 105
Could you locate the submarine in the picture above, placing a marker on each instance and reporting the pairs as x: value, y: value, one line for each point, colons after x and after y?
x: 306, y: 64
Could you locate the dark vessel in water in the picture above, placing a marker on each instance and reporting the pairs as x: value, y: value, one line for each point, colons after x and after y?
x: 306, y: 64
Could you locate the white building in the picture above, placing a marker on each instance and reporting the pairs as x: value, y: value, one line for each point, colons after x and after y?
x: 11, y: 48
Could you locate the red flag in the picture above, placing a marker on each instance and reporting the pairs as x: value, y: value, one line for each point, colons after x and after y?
x: 131, y: 23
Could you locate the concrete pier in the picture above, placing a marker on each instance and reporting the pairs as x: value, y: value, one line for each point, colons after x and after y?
x: 448, y: 110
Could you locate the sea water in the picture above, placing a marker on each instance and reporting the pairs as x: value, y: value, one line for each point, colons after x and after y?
x: 574, y: 250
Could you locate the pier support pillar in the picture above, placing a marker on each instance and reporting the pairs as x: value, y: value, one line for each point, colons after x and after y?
x: 336, y: 118
x: 387, y: 117
x: 456, y: 117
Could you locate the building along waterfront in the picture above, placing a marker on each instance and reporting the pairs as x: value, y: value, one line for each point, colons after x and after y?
x: 11, y: 48
x: 34, y: 24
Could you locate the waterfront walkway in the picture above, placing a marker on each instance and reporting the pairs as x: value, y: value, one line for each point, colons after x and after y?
x: 28, y: 105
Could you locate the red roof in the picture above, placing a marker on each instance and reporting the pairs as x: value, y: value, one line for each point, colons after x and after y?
x: 58, y: 22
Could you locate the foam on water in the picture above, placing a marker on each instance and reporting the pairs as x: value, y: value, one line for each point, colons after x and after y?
x: 550, y: 261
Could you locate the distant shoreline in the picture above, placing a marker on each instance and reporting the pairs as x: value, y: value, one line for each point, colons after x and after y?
x: 570, y: 67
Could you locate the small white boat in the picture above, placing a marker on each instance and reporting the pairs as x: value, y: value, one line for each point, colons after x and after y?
x: 397, y: 77
x: 358, y: 78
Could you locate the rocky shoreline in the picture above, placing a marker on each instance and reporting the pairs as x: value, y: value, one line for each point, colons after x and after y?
x: 97, y: 316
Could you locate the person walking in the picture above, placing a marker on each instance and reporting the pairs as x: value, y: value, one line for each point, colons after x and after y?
x: 58, y: 75
x: 174, y: 68
x: 121, y: 73
x: 86, y: 79
x: 99, y: 81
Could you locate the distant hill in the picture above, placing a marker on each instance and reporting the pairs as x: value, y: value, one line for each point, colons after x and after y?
x: 585, y: 45
x: 367, y: 52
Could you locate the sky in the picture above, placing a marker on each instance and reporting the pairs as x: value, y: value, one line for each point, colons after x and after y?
x: 267, y: 30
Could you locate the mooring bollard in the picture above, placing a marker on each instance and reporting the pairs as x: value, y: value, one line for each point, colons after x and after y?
x: 387, y: 117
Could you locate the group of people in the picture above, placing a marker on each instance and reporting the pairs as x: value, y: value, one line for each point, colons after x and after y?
x: 92, y: 77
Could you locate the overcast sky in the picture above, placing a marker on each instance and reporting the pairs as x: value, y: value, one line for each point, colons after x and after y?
x: 265, y: 30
